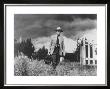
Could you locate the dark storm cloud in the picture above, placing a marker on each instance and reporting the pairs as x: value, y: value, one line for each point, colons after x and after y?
x: 86, y: 16
x: 71, y: 17
x: 37, y: 25
x: 64, y: 17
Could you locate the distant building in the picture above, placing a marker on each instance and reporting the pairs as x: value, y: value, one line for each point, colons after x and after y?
x: 87, y: 52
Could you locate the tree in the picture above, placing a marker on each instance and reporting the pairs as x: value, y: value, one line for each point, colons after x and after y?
x: 42, y: 53
x: 27, y: 48
x: 16, y: 48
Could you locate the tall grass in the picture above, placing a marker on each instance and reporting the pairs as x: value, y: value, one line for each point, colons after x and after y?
x: 23, y: 66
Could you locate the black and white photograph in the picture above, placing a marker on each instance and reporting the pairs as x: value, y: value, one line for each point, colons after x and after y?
x: 55, y: 44
x: 48, y: 44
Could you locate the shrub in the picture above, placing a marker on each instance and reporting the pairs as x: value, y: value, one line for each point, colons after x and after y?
x: 21, y: 65
x: 16, y: 49
x: 42, y: 53
x: 48, y: 59
x: 24, y: 67
x: 39, y: 68
x: 26, y: 47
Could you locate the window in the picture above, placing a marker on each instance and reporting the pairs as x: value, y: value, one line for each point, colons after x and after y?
x: 95, y: 61
x: 86, y: 51
x: 86, y: 61
x: 91, y: 52
x: 91, y: 61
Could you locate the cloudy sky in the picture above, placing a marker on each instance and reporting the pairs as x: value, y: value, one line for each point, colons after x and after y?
x: 42, y: 26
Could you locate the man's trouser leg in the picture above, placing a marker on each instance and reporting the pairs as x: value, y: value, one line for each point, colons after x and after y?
x: 56, y: 60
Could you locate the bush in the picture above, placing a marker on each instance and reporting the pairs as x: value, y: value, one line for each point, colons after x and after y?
x: 24, y: 67
x: 48, y: 59
x: 26, y: 47
x: 39, y: 68
x: 16, y: 49
x: 42, y: 53
x: 21, y: 65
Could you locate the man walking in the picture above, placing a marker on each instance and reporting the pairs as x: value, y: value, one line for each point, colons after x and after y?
x: 57, y: 48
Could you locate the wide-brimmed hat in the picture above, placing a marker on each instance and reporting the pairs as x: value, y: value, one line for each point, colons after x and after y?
x: 59, y: 29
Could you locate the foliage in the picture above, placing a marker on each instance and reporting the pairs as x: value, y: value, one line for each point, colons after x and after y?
x: 42, y: 53
x: 23, y: 66
x: 16, y: 49
x: 48, y: 59
x: 26, y: 47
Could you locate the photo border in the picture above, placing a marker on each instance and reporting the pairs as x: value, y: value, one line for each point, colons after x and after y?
x: 49, y: 5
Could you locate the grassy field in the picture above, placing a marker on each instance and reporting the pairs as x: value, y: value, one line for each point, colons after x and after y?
x: 23, y: 66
